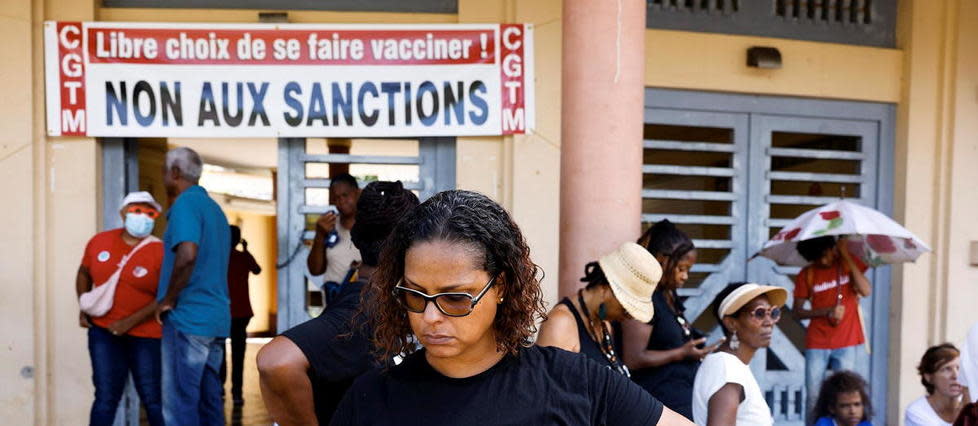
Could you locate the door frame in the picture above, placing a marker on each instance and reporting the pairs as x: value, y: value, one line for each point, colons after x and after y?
x: 436, y: 162
x: 885, y: 117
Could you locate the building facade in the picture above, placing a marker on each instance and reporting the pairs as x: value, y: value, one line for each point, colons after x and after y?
x: 877, y: 104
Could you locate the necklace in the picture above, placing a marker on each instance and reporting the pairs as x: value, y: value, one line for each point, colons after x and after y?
x: 604, y: 343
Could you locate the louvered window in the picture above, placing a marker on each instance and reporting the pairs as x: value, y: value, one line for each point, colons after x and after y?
x: 724, y: 6
x: 863, y: 22
x: 833, y: 11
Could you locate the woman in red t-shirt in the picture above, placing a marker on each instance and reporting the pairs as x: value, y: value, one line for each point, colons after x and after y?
x: 833, y: 282
x: 126, y: 339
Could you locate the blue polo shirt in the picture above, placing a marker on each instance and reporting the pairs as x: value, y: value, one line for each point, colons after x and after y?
x: 203, y: 307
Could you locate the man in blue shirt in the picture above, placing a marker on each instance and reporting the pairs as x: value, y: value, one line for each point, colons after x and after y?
x: 193, y: 300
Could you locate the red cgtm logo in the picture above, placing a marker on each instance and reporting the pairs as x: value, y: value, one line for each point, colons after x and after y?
x: 71, y: 67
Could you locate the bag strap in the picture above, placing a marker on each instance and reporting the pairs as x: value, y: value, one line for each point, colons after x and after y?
x: 146, y: 241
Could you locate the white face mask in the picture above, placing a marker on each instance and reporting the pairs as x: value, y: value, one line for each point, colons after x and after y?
x: 139, y: 225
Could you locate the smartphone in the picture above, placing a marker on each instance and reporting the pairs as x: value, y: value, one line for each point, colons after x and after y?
x: 332, y: 209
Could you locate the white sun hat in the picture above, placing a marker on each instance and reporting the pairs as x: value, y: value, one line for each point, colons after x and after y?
x: 747, y: 292
x: 141, y: 197
x: 633, y: 273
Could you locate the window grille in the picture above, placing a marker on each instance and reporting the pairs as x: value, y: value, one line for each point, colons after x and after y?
x: 860, y: 22
x: 724, y: 6
x: 833, y: 11
x: 425, y: 166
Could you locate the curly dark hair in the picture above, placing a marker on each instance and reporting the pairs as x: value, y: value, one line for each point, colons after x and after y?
x: 665, y: 239
x: 934, y: 358
x: 469, y: 218
x: 380, y: 206
x: 841, y: 382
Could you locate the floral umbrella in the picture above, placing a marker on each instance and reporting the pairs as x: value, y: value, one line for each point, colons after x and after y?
x: 872, y: 235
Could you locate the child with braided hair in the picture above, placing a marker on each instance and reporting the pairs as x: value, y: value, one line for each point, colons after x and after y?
x: 306, y: 370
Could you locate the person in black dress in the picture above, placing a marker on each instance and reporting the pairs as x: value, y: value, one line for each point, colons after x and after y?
x: 306, y: 371
x: 456, y: 277
x: 619, y: 286
x: 664, y: 353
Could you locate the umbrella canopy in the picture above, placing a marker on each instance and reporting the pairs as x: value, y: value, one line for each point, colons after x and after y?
x: 873, y: 236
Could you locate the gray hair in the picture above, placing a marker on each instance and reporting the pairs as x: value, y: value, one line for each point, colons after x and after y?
x: 187, y: 161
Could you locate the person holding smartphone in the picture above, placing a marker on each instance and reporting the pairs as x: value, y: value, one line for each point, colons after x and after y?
x: 333, y: 256
x: 665, y: 353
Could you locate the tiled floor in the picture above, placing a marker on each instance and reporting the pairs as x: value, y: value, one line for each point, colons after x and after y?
x: 253, y: 412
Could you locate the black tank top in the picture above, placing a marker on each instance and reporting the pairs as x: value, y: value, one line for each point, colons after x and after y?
x: 589, y: 347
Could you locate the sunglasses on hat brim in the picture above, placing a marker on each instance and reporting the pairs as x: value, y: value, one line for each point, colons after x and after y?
x: 136, y: 209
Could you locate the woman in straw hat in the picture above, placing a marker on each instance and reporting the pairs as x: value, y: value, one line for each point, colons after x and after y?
x: 725, y: 391
x: 619, y: 287
x: 455, y: 275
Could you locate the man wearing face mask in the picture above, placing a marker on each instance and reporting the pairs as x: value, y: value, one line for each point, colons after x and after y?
x: 126, y: 338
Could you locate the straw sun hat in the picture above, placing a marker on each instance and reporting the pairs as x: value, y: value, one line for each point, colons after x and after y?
x: 632, y: 273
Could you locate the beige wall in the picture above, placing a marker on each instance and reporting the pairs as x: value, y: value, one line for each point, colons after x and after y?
x: 18, y: 247
x: 522, y: 172
x: 937, y: 148
x: 717, y: 62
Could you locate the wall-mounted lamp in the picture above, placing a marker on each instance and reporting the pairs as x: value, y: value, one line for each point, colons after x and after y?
x: 764, y: 57
x: 273, y: 17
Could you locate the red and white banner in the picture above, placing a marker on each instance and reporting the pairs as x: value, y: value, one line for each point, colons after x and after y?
x: 264, y: 80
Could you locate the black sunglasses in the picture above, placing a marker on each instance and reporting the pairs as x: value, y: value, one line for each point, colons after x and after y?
x: 453, y: 304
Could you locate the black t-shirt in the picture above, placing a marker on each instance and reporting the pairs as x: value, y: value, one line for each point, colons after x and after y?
x: 336, y: 357
x: 671, y: 383
x: 539, y: 386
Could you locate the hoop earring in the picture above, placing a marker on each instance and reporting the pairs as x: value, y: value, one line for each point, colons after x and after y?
x: 734, y: 341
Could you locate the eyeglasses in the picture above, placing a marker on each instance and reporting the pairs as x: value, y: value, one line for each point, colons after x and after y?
x: 759, y: 313
x: 453, y: 304
x: 152, y: 213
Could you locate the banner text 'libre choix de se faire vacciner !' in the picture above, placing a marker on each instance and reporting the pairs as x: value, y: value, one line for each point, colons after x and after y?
x: 264, y: 80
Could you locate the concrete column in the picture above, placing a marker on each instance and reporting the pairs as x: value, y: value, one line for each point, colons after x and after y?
x: 601, y: 126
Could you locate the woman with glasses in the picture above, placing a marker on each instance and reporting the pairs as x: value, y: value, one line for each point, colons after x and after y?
x: 665, y: 352
x: 456, y: 275
x: 725, y: 391
x: 619, y: 286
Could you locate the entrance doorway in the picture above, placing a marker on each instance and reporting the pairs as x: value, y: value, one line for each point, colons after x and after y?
x: 273, y: 189
x: 425, y: 165
x: 731, y: 170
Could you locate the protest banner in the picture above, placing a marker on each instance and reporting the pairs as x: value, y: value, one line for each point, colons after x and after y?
x: 293, y: 80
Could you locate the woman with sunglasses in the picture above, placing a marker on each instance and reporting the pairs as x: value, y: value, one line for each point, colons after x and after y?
x: 455, y: 276
x: 619, y: 286
x: 665, y: 352
x: 725, y: 391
